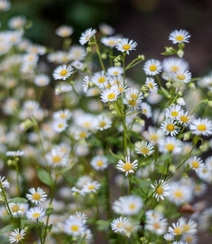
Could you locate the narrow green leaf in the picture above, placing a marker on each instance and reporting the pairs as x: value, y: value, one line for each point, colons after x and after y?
x: 18, y: 200
x: 45, y: 177
x: 166, y: 94
x: 6, y: 228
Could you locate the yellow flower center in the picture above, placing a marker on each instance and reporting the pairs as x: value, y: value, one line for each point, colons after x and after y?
x: 184, y: 119
x: 63, y: 116
x: 75, y: 228
x: 15, y: 208
x: 174, y: 68
x: 63, y: 72
x: 180, y: 38
x: 195, y: 164
x: 145, y: 150
x: 170, y: 127
x: 170, y: 147
x: 36, y: 215
x: 134, y: 96
x: 18, y: 237
x: 156, y: 225
x: 174, y: 113
x: 178, y: 194
x: 150, y: 85
x: 91, y: 187
x: 99, y: 163
x: 36, y: 196
x: 159, y: 190
x: 201, y: 127
x: 153, y: 67
x: 132, y: 206
x: 178, y: 231
x: 153, y: 137
x: 119, y: 225
x: 127, y: 166
x: 181, y: 76
x: 102, y: 124
x: 111, y: 43
x: 82, y: 134
x: 126, y: 47
x: 186, y: 227
x: 115, y: 72
x: 101, y: 80
x: 132, y: 102
x: 56, y: 159
x: 111, y: 96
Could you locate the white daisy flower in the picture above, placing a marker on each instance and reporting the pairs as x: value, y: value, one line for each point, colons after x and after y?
x: 92, y: 186
x: 157, y: 226
x: 100, y: 79
x: 128, y: 205
x: 74, y: 227
x: 62, y: 72
x: 118, y: 225
x: 36, y: 195
x: 133, y: 98
x: 184, y: 118
x: 153, y: 135
x: 161, y: 189
x: 189, y: 226
x: 144, y: 148
x: 173, y: 65
x: 151, y: 84
x: 5, y: 5
x: 176, y: 229
x: 168, y: 237
x: 59, y: 125
x: 169, y: 127
x: 109, y: 95
x: 127, y: 166
x: 146, y: 109
x: 77, y: 52
x: 17, y: 22
x: 77, y: 64
x: 201, y: 127
x: 99, y: 162
x: 17, y: 235
x: 56, y: 158
x: 86, y: 36
x: 182, y: 76
x: 170, y: 145
x: 15, y: 153
x: 190, y: 238
x: 179, y: 36
x: 62, y: 114
x: 152, y: 67
x: 199, y: 189
x: 102, y: 122
x: 110, y: 41
x: 18, y: 209
x: 115, y: 71
x: 35, y: 213
x: 106, y: 29
x: 204, y: 173
x: 126, y: 45
x: 64, y: 31
x: 194, y: 162
x: 173, y: 111
x: 41, y: 80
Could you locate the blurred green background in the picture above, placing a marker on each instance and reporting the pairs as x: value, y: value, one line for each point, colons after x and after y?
x: 148, y: 22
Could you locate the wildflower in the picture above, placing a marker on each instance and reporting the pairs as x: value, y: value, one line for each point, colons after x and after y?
x: 18, y: 209
x: 179, y: 193
x: 59, y: 125
x: 170, y: 145
x: 99, y: 79
x: 179, y: 242
x: 201, y: 127
x: 56, y: 158
x: 204, y: 173
x: 64, y: 31
x: 168, y: 237
x: 184, y: 118
x: 106, y: 29
x: 153, y: 214
x: 146, y: 109
x: 115, y: 71
x: 17, y: 22
x: 133, y: 98
x: 169, y: 127
x: 152, y: 67
x: 126, y: 45
x: 157, y: 226
x: 36, y: 195
x: 110, y: 41
x: 102, y: 122
x: 144, y: 148
x: 151, y: 84
x: 194, y: 162
x: 153, y: 135
x: 190, y: 238
x: 99, y: 162
x: 3, y: 183
x: 83, y: 180
x: 174, y: 65
x: 176, y: 229
x: 41, y: 80
x: 4, y: 5
x: 79, y: 215
x: 86, y: 36
x: 92, y: 186
x: 35, y: 213
x: 199, y: 189
x: 17, y: 235
x: 109, y: 95
x: 173, y: 111
x: 62, y: 72
x: 189, y: 226
x: 128, y: 205
x: 74, y: 227
x: 127, y: 166
x: 161, y: 189
x: 77, y: 52
x: 77, y: 64
x: 62, y: 115
x: 179, y: 36
x: 182, y: 76
x: 118, y: 225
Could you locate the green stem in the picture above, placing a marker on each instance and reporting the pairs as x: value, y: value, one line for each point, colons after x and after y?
x: 99, y: 54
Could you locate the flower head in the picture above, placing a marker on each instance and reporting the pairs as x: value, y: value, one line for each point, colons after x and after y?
x: 152, y: 67
x: 161, y: 189
x: 126, y: 45
x: 179, y: 36
x: 62, y: 72
x: 36, y: 195
x: 64, y: 31
x: 17, y: 235
x: 201, y: 127
x: 35, y: 213
x: 86, y: 36
x: 127, y: 166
